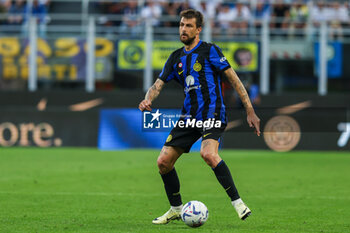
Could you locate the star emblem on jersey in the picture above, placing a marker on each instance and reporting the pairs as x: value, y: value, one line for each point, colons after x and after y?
x: 155, y: 116
x: 197, y: 66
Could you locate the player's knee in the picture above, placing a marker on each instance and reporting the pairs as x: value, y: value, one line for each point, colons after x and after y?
x: 209, y: 157
x: 163, y: 164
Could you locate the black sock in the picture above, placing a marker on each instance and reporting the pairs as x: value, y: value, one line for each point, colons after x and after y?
x: 223, y: 175
x: 172, y: 187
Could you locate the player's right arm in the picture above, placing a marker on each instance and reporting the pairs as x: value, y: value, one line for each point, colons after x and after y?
x: 167, y: 74
x: 151, y: 95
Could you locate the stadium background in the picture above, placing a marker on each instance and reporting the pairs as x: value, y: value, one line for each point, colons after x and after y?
x: 287, y: 53
x: 72, y: 74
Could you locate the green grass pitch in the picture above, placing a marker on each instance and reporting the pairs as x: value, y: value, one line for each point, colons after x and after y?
x: 86, y: 190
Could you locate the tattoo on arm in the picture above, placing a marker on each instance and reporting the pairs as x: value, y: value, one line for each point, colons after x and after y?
x: 239, y: 87
x: 154, y: 90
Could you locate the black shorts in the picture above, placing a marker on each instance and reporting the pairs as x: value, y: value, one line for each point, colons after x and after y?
x: 184, y: 138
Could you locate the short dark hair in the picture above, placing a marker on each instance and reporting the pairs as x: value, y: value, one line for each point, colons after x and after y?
x: 190, y: 13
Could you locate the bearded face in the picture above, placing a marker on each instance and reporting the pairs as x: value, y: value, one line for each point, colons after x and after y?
x: 186, y: 39
x: 188, y: 30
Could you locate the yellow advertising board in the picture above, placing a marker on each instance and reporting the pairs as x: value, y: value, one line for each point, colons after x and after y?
x: 60, y: 59
x: 161, y: 52
x: 243, y: 56
x: 131, y: 54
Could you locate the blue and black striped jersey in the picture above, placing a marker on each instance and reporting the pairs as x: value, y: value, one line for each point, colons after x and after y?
x: 198, y: 71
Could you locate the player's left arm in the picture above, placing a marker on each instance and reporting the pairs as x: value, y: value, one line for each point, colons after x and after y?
x: 252, y: 119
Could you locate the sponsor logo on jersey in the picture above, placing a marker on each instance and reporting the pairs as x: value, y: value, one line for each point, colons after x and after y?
x: 190, y: 84
x: 190, y: 80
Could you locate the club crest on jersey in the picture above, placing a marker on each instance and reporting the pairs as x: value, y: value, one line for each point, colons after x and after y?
x: 180, y: 65
x: 197, y: 66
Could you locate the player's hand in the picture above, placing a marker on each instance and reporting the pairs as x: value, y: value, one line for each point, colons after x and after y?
x: 254, y: 122
x: 145, y: 105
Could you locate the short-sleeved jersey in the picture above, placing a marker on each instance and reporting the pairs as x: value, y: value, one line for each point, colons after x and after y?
x: 198, y: 71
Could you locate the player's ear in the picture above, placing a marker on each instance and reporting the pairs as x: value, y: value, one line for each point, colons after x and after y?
x: 199, y: 29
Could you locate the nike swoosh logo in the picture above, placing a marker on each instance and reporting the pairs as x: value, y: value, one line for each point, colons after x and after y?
x: 206, y: 135
x: 42, y: 104
x: 244, y: 211
x: 228, y: 188
x: 86, y: 105
x: 173, y: 218
x: 180, y: 72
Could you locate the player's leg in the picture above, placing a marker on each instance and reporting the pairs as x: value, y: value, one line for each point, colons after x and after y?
x: 180, y: 141
x: 209, y: 152
x: 165, y: 162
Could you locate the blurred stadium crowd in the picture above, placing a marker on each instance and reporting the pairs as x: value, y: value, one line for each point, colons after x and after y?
x: 228, y: 17
x: 116, y: 20
x: 18, y: 10
x: 235, y: 16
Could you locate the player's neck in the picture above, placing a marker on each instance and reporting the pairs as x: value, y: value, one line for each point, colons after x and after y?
x: 194, y: 44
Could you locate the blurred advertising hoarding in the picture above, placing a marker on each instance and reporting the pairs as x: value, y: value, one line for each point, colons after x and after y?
x: 243, y: 56
x: 48, y: 129
x: 121, y: 129
x: 59, y: 59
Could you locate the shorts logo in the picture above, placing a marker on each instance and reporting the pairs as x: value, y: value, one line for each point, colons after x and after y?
x: 169, y: 138
x: 197, y: 66
x: 206, y: 135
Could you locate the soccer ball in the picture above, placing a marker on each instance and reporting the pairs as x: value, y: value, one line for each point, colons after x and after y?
x: 194, y: 213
